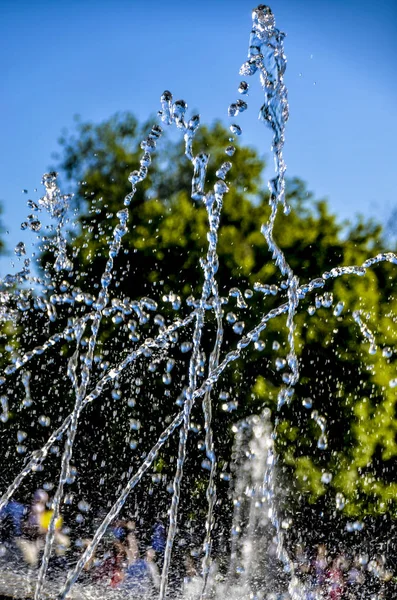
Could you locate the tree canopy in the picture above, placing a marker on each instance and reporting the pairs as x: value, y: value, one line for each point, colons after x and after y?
x: 346, y: 383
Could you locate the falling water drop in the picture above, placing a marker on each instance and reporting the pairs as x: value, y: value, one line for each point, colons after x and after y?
x: 243, y: 87
x: 20, y: 249
x: 339, y: 308
x: 235, y: 129
x: 167, y: 378
x: 326, y: 478
x: 239, y: 327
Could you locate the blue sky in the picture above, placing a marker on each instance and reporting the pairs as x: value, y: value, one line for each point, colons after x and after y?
x: 96, y: 57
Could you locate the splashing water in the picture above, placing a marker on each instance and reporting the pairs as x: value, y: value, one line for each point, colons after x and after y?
x: 258, y: 506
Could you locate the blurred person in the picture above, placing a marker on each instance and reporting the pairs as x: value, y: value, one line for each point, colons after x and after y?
x: 138, y: 578
x: 111, y: 570
x: 320, y: 565
x: 31, y: 542
x: 192, y: 582
x: 334, y: 581
x: 38, y: 507
x: 159, y: 538
x: 301, y: 560
x: 355, y: 577
x: 35, y: 530
x: 11, y: 520
x: 123, y: 552
x: 11, y: 524
x: 142, y: 575
x: 153, y: 568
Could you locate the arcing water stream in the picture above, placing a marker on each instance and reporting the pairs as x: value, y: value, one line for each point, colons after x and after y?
x: 266, y: 59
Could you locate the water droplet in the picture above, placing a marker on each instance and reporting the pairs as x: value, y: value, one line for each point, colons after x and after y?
x: 32, y: 223
x: 20, y: 249
x: 307, y: 402
x: 170, y: 365
x: 241, y: 106
x: 186, y: 347
x: 223, y: 170
x: 326, y: 478
x: 249, y: 67
x: 259, y: 345
x: 286, y: 523
x: 243, y: 87
x: 167, y: 378
x: 220, y: 188
x: 236, y: 129
x: 339, y: 308
x: 232, y: 111
x: 239, y: 327
x: 21, y: 436
x: 230, y: 406
x: 230, y: 150
x: 387, y: 352
x: 327, y: 299
x: 44, y: 421
x: 135, y: 425
x: 354, y: 526
x: 84, y: 506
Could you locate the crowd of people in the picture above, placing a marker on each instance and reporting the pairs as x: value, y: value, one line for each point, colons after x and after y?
x: 120, y: 563
x: 342, y: 575
x: 123, y: 563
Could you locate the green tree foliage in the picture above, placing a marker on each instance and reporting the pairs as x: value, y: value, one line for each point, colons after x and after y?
x: 349, y: 387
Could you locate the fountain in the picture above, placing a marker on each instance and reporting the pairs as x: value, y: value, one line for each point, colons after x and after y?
x: 72, y: 321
